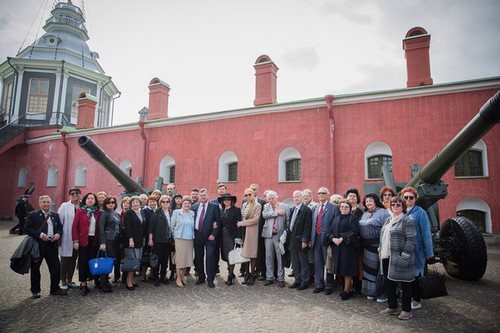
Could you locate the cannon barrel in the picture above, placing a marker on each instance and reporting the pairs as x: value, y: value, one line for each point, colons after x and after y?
x: 100, y: 156
x: 487, y: 117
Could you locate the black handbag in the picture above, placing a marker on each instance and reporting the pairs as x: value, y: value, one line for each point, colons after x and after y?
x: 149, y: 259
x: 380, y: 281
x: 131, y: 264
x: 432, y: 285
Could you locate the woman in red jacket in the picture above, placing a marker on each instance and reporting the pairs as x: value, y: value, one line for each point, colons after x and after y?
x: 84, y: 233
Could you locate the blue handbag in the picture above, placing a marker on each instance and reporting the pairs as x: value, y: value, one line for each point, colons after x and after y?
x: 100, y: 266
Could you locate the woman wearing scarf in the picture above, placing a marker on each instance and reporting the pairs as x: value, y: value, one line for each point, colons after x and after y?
x: 134, y: 237
x: 250, y: 216
x: 397, y: 253
x: 84, y: 232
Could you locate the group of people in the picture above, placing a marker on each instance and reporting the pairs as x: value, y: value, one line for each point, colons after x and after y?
x: 338, y: 240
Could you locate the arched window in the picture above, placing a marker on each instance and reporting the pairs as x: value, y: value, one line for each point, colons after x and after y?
x: 377, y: 154
x: 81, y: 175
x: 126, y: 167
x: 228, y: 167
x: 22, y: 178
x: 289, y: 165
x: 52, y: 176
x: 476, y: 210
x: 167, y: 169
x: 473, y: 163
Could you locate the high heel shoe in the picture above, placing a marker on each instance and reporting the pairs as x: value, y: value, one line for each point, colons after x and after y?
x: 130, y: 288
x: 179, y: 283
x: 230, y: 278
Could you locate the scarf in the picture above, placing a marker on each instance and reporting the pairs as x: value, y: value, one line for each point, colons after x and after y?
x: 89, y: 210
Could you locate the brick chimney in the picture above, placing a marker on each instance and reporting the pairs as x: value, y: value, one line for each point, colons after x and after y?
x: 86, y: 111
x: 158, y: 99
x: 265, y: 81
x: 416, y: 45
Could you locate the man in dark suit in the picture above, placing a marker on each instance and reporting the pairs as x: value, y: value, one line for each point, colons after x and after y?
x: 206, y: 228
x: 45, y: 226
x: 300, y: 235
x: 322, y: 223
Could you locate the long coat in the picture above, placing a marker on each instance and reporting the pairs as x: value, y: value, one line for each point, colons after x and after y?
x: 250, y: 244
x: 229, y: 218
x: 345, y: 256
x: 67, y: 215
x: 402, y: 252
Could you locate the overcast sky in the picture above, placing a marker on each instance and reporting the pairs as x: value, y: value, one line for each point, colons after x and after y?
x: 205, y: 50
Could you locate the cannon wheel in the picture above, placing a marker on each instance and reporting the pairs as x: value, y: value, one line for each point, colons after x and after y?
x: 467, y: 250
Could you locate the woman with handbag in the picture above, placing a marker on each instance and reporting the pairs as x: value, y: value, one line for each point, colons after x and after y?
x: 160, y: 239
x: 109, y: 235
x: 134, y: 218
x: 183, y: 228
x: 344, y: 237
x: 397, y: 253
x: 423, y: 246
x: 85, y: 234
x: 230, y: 215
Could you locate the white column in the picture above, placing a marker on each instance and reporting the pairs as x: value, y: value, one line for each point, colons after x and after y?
x: 53, y: 117
x: 17, y: 101
x: 63, y: 94
x: 97, y: 122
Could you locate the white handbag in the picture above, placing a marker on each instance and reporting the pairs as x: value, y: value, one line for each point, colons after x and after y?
x: 235, y: 256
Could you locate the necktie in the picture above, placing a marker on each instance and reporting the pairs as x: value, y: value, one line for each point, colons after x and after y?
x: 294, y: 216
x: 202, y: 217
x: 318, y: 220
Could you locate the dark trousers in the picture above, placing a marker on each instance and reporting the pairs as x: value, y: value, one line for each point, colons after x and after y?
x: 85, y: 253
x: 391, y: 290
x: 68, y: 265
x: 319, y: 266
x: 300, y: 265
x: 162, y: 250
x: 50, y: 252
x: 200, y: 246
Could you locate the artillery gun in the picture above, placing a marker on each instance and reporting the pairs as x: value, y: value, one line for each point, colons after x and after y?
x: 458, y: 245
x: 131, y: 187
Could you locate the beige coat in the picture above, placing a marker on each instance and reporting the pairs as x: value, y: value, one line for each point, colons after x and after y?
x: 250, y: 244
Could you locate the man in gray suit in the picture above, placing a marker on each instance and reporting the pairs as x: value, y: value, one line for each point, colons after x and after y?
x: 275, y: 216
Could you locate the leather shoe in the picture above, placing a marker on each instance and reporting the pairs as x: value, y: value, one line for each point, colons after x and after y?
x: 328, y: 291
x: 303, y: 287
x: 36, y: 295
x: 317, y: 290
x: 156, y: 283
x: 268, y: 283
x: 281, y: 284
x: 261, y: 278
x: 211, y: 284
x: 294, y: 285
x: 200, y: 281
x: 59, y: 292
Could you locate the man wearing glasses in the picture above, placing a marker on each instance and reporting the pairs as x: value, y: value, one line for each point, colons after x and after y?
x: 68, y: 254
x: 322, y: 222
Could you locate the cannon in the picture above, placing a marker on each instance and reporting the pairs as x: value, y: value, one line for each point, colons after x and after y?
x: 458, y: 245
x: 91, y: 148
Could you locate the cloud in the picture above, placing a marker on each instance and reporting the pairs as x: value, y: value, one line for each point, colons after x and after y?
x: 5, y: 19
x: 305, y: 58
x: 353, y: 11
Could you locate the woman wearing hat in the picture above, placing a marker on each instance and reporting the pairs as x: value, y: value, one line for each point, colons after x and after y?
x: 230, y: 215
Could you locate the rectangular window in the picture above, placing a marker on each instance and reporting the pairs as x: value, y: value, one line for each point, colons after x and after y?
x: 470, y: 164
x: 293, y: 169
x: 375, y: 164
x: 171, y: 174
x: 232, y: 172
x: 75, y: 94
x: 38, y: 95
x: 7, y: 98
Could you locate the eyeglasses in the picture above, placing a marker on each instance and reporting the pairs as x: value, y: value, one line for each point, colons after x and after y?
x: 396, y: 204
x: 387, y: 194
x: 409, y: 197
x: 165, y: 201
x: 227, y: 199
x: 74, y: 193
x: 248, y: 195
x: 322, y: 193
x: 112, y: 202
x: 345, y: 207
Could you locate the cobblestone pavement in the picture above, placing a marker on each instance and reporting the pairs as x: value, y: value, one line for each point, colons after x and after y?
x: 470, y: 306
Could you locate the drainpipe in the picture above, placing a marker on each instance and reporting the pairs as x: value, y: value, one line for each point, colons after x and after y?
x: 60, y: 95
x: 329, y: 108
x: 113, y: 106
x: 144, y: 152
x: 65, y: 164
